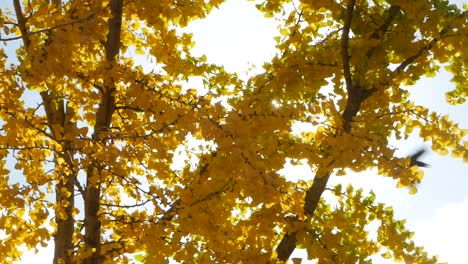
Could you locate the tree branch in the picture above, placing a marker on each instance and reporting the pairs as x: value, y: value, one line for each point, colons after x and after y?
x: 356, y: 95
x: 286, y: 246
x: 345, y: 44
x: 425, y: 48
x: 104, y: 114
x: 55, y: 118
x: 380, y: 32
x: 392, y: 13
x: 25, y: 34
x: 21, y: 23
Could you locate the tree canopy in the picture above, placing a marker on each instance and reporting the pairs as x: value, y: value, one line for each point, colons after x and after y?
x: 115, y: 163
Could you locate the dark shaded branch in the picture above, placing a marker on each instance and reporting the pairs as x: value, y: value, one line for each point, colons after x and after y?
x: 25, y: 34
x: 380, y: 32
x: 327, y: 37
x: 21, y: 24
x: 288, y: 243
x: 286, y: 246
x: 356, y: 95
x: 115, y: 25
x: 170, y: 213
x: 392, y: 13
x: 112, y: 46
x: 55, y: 113
x: 420, y: 52
x: 313, y: 195
x: 345, y: 44
x: 127, y: 205
x: 442, y: 34
x: 104, y: 114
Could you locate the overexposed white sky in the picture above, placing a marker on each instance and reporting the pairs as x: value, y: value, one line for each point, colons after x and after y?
x: 238, y: 36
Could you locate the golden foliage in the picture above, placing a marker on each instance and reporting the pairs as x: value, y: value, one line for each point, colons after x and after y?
x: 191, y: 173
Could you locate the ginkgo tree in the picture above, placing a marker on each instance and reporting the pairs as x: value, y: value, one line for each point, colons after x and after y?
x: 91, y: 142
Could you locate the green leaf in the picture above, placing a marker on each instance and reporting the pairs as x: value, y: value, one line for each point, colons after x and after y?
x: 140, y: 258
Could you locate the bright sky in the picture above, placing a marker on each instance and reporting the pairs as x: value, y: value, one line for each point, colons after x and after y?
x: 237, y: 36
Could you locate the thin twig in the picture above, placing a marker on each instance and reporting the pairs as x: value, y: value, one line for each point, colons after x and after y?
x: 25, y: 34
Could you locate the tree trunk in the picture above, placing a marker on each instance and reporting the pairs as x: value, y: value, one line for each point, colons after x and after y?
x: 103, y: 120
x: 63, y: 252
x: 92, y: 223
x: 64, y: 188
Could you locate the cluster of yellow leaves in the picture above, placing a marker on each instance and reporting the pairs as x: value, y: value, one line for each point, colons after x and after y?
x: 231, y: 206
x: 342, y: 231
